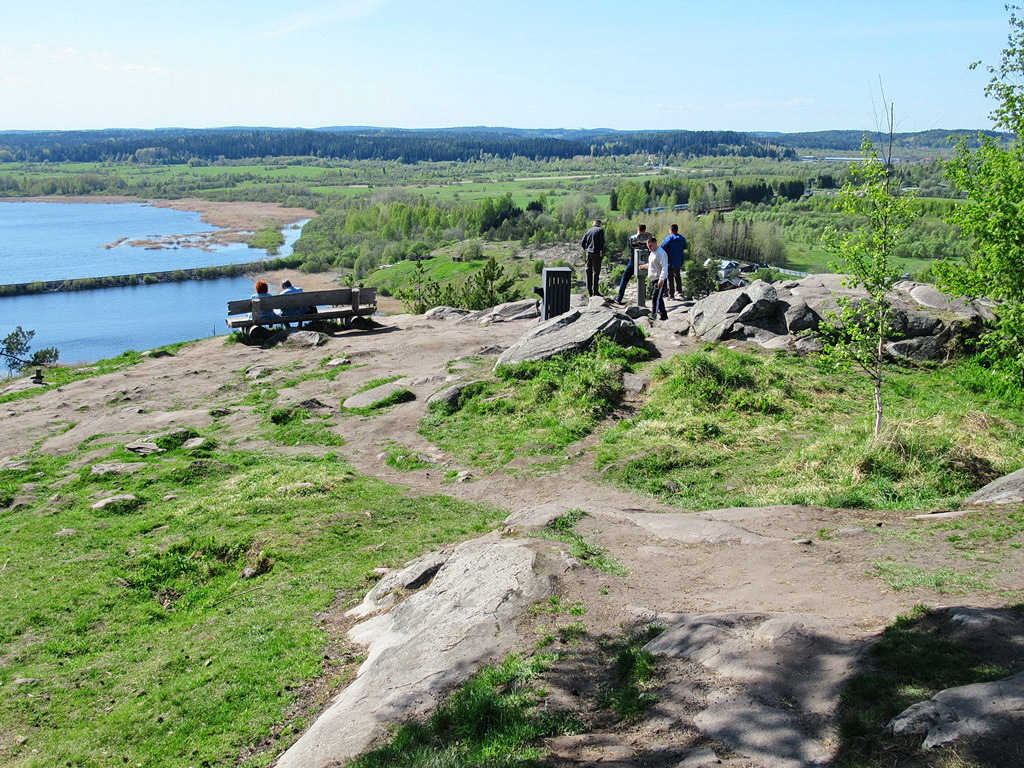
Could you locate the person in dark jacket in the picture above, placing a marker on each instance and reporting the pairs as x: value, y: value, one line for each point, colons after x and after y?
x: 593, y: 244
x: 675, y: 246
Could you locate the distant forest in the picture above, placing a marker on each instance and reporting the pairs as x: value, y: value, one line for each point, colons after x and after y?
x: 175, y: 145
x: 850, y: 141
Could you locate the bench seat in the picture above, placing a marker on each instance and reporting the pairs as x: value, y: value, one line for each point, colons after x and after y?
x: 334, y: 304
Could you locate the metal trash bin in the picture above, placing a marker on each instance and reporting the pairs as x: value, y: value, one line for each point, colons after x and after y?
x: 555, y: 292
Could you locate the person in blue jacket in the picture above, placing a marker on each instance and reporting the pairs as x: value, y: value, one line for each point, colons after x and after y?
x: 674, y: 245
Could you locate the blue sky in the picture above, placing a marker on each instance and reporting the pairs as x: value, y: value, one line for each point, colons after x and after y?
x: 658, y: 64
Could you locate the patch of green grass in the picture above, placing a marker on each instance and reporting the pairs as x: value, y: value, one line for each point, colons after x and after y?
x: 296, y: 426
x: 562, y: 529
x: 496, y: 720
x: 725, y: 428
x: 633, y: 672
x: 373, y: 383
x: 900, y: 576
x: 405, y: 459
x: 910, y: 663
x: 146, y: 643
x: 532, y: 409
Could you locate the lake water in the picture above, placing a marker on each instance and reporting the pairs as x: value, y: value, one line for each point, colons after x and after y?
x: 58, y: 241
x: 90, y: 325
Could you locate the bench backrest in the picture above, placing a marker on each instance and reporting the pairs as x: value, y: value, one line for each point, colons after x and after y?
x: 336, y: 297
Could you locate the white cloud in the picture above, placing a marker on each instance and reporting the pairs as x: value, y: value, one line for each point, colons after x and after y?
x: 335, y: 12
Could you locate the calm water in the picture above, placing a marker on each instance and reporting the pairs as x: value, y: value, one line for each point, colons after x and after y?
x: 57, y: 241
x: 89, y: 325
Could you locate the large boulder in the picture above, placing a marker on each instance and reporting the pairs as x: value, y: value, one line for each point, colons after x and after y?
x: 572, y: 332
x: 1006, y: 490
x: 966, y: 712
x: 462, y: 612
x: 929, y: 325
x: 712, y: 317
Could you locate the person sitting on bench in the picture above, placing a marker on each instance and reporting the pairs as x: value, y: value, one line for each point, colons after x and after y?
x: 286, y: 288
x: 267, y: 317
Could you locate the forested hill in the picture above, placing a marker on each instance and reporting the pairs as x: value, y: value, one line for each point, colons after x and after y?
x: 851, y: 140
x: 179, y: 145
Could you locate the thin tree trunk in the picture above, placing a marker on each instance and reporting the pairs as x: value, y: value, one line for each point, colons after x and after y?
x: 879, y: 350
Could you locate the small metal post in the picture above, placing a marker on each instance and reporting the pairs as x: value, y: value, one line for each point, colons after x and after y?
x: 640, y: 258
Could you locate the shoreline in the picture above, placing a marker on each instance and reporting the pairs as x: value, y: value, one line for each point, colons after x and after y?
x: 238, y: 221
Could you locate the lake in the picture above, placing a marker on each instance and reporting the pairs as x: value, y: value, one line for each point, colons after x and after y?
x: 53, y: 241
x: 58, y: 241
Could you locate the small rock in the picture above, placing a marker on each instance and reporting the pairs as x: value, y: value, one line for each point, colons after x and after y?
x: 635, y: 383
x: 941, y: 515
x: 124, y: 500
x: 338, y: 362
x: 304, y: 339
x: 463, y: 477
x: 247, y: 573
x: 700, y: 758
x: 115, y: 468
x: 195, y: 443
x: 257, y: 372
x: 24, y: 680
x: 143, y: 447
x: 66, y: 532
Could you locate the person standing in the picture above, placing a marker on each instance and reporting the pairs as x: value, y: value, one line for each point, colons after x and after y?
x: 674, y: 245
x: 636, y: 241
x: 657, y: 273
x: 593, y: 244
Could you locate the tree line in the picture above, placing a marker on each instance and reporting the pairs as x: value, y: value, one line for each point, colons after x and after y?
x: 177, y: 146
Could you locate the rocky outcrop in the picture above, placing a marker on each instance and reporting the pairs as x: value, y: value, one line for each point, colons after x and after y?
x: 1005, y: 490
x: 378, y: 394
x: 966, y: 712
x: 928, y: 324
x: 572, y: 332
x: 446, y: 614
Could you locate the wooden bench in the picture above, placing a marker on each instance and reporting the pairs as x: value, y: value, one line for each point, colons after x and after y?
x: 337, y: 303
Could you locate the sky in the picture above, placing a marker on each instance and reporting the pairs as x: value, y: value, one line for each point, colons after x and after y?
x: 772, y: 65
